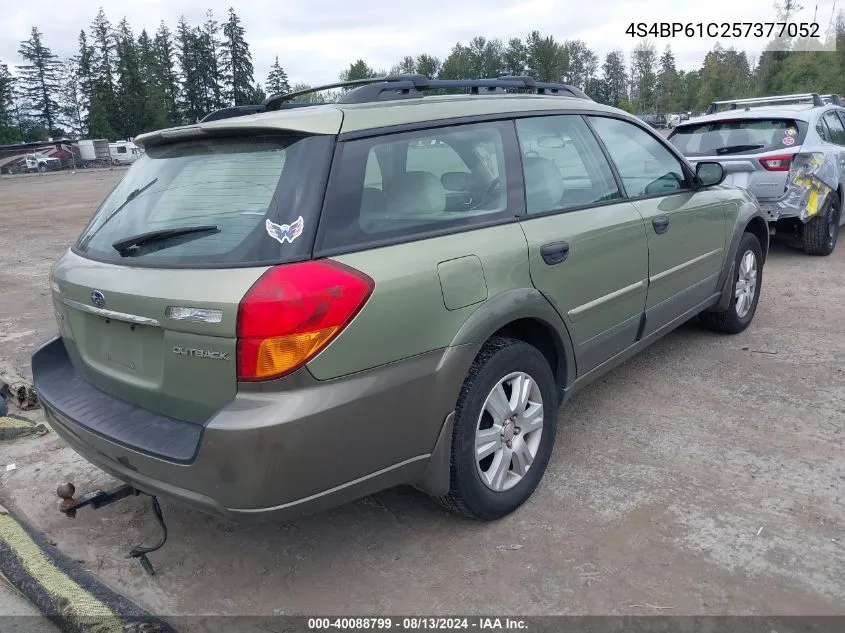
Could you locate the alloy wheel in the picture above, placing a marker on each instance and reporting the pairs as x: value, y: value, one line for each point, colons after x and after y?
x: 746, y: 284
x: 508, y: 433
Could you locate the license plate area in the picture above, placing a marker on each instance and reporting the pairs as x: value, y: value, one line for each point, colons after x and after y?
x: 119, y: 344
x: 738, y: 179
x: 120, y: 349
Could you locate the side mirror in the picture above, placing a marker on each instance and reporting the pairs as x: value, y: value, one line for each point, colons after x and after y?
x: 709, y: 173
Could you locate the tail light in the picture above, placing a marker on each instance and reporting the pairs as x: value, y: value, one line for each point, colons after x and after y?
x: 292, y: 312
x: 777, y: 163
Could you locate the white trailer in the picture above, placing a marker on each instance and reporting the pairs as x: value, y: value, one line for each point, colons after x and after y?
x: 93, y: 152
x: 124, y: 152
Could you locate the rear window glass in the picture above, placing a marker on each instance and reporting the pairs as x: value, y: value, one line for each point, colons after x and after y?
x: 746, y: 136
x: 407, y: 186
x: 235, y: 201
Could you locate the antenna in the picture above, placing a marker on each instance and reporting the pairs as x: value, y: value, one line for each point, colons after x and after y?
x: 830, y: 24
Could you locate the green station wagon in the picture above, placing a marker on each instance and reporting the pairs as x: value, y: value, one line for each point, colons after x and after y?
x: 284, y: 308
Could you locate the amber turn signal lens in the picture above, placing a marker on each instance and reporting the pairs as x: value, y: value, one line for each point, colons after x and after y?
x: 279, y: 354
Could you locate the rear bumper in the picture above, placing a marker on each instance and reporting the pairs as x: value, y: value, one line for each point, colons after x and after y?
x: 801, y: 201
x: 780, y: 209
x: 278, y: 450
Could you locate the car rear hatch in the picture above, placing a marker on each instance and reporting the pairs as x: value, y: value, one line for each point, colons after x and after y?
x: 756, y: 152
x: 148, y: 299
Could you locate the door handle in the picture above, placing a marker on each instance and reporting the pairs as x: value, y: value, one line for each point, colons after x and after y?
x: 555, y: 252
x: 660, y: 224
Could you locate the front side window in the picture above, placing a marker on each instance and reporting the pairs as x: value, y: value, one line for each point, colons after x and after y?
x: 646, y: 166
x: 402, y: 186
x: 563, y: 164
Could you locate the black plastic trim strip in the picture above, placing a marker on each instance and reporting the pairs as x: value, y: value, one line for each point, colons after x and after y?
x: 61, y: 390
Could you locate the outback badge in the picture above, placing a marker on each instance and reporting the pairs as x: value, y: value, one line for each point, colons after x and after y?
x: 200, y: 353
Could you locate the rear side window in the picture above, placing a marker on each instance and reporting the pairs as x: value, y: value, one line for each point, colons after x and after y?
x: 739, y: 136
x: 564, y: 166
x: 408, y: 186
x: 236, y: 201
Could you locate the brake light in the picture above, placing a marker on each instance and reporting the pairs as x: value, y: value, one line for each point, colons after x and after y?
x: 292, y: 312
x: 777, y: 163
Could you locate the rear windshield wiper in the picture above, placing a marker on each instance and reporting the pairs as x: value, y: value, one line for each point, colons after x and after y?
x: 124, y: 246
x: 733, y: 149
x: 129, y: 198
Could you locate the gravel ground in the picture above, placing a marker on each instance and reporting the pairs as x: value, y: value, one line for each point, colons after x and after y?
x: 704, y: 476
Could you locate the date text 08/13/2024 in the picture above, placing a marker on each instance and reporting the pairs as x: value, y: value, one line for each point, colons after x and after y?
x: 724, y: 29
x: 418, y: 623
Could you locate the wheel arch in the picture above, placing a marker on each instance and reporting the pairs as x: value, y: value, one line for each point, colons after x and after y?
x: 759, y: 228
x: 524, y: 314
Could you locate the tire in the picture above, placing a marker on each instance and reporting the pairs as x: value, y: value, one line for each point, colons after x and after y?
x: 739, y: 314
x: 42, y: 168
x: 822, y: 232
x: 477, y: 488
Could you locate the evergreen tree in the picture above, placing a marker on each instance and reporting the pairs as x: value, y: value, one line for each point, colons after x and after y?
x: 614, y: 77
x: 165, y: 62
x: 82, y: 62
x: 155, y: 113
x: 72, y: 108
x: 359, y: 69
x: 40, y: 81
x: 277, y: 80
x: 457, y: 64
x: 644, y: 76
x: 209, y: 59
x: 428, y: 65
x: 103, y: 116
x: 236, y: 62
x: 188, y: 50
x: 515, y: 57
x: 545, y: 58
x: 130, y: 92
x: 668, y: 86
x: 8, y: 129
x: 258, y: 94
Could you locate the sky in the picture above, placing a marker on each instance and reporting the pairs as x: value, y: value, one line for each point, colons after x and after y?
x: 316, y: 39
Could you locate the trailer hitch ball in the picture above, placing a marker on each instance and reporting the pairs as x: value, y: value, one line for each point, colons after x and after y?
x: 66, y: 493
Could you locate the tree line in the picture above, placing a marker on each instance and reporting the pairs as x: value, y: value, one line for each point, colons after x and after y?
x: 119, y: 85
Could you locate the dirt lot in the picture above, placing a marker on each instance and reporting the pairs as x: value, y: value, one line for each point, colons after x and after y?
x: 705, y: 476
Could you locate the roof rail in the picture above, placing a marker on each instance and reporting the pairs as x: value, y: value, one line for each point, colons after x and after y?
x: 832, y: 98
x: 227, y: 113
x: 395, y: 87
x: 411, y: 86
x: 274, y: 102
x: 733, y: 103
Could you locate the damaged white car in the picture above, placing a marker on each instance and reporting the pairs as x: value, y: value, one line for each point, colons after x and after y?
x: 788, y: 151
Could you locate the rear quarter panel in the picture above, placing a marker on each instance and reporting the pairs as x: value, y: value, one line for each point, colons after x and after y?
x: 414, y: 281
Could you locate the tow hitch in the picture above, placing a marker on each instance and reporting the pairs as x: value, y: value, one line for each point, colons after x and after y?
x: 100, y: 498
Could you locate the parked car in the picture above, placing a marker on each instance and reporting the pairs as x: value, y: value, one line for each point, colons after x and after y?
x: 673, y: 120
x: 788, y: 151
x: 657, y: 121
x: 284, y: 307
x: 41, y: 162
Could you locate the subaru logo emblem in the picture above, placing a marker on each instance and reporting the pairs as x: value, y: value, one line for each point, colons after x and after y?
x: 98, y: 299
